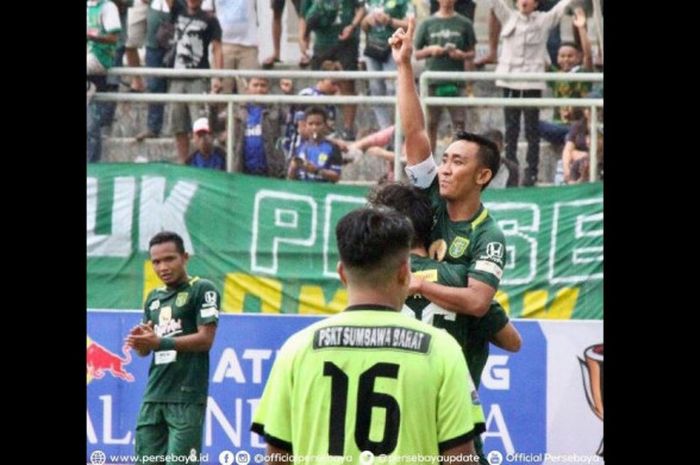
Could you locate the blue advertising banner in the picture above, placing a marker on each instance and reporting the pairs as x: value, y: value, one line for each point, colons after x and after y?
x: 514, y: 387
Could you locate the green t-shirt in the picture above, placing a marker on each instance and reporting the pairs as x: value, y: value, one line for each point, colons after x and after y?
x: 153, y: 20
x: 335, y: 16
x: 473, y: 334
x: 370, y: 379
x: 567, y: 89
x: 103, y: 52
x: 394, y: 8
x: 174, y: 313
x: 478, y: 243
x: 457, y: 30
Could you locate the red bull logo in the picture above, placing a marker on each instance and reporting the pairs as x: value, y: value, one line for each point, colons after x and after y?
x: 101, y: 360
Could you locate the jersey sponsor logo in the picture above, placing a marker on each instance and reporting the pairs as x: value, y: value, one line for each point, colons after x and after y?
x: 181, y: 299
x: 428, y: 275
x: 210, y: 298
x: 372, y: 337
x: 489, y: 267
x: 155, y: 305
x: 495, y: 251
x: 458, y: 247
x: 167, y: 326
x: 209, y: 312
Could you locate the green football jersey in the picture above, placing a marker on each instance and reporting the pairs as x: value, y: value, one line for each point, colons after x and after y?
x: 368, y: 379
x: 473, y: 334
x: 477, y: 242
x: 180, y: 376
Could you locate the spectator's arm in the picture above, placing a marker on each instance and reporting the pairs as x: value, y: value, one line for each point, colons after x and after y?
x: 582, y: 34
x: 108, y: 38
x: 500, y: 8
x: 356, y: 20
x: 554, y: 16
x: 566, y: 158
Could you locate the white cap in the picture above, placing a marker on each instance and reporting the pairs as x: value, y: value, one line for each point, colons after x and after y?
x: 202, y: 124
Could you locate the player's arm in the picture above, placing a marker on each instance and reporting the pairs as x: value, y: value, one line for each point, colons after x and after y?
x: 278, y: 456
x: 412, y: 122
x: 508, y: 338
x: 462, y: 454
x: 474, y: 299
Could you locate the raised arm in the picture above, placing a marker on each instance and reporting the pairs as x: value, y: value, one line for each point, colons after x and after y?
x: 412, y: 122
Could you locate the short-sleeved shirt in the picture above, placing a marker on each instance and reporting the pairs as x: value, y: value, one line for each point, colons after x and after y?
x: 457, y: 30
x: 473, y: 334
x: 178, y: 312
x: 369, y: 379
x: 567, y: 89
x: 337, y: 13
x: 216, y: 160
x: 194, y: 33
x: 477, y: 242
x: 323, y: 155
x: 103, y: 18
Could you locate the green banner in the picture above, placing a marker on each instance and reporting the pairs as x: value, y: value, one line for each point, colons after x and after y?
x: 270, y: 244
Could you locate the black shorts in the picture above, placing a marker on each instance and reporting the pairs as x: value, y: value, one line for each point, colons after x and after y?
x: 345, y: 52
x: 278, y: 5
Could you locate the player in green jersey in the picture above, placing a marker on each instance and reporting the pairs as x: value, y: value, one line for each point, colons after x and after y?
x: 179, y: 325
x: 473, y: 334
x: 463, y: 232
x: 369, y: 380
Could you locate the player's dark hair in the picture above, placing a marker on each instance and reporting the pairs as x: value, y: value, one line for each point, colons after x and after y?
x: 168, y: 236
x: 409, y: 201
x: 373, y: 240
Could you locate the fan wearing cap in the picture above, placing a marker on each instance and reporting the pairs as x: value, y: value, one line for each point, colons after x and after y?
x: 206, y: 155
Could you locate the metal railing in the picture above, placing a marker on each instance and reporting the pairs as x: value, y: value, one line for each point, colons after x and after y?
x: 231, y: 99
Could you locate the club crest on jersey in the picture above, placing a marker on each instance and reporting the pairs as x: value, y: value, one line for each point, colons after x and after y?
x: 458, y: 246
x: 181, y: 299
x: 155, y: 305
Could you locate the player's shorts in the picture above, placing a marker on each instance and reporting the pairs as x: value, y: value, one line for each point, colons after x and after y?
x: 169, y: 428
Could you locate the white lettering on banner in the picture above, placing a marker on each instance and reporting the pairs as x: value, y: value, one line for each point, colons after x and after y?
x: 575, y: 267
x: 520, y: 223
x: 91, y: 435
x: 266, y: 207
x: 157, y: 213
x: 229, y: 365
x: 496, y: 378
x: 329, y: 228
x: 500, y: 430
x: 107, y: 423
x: 118, y: 243
x: 214, y: 411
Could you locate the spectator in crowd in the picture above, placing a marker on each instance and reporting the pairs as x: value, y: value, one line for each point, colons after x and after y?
x: 102, y: 34
x: 110, y: 108
x: 524, y: 50
x: 570, y: 59
x: 576, y: 154
x: 195, y: 30
x: 206, y: 155
x: 325, y: 86
x: 317, y: 159
x: 158, y: 12
x: 446, y: 39
x: 258, y: 129
x: 382, y: 19
x: 136, y: 37
x: 277, y: 10
x: 463, y: 7
x: 335, y: 27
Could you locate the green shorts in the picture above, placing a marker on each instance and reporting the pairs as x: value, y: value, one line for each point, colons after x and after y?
x: 169, y: 429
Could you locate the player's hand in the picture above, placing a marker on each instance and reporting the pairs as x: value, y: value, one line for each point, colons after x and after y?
x: 402, y: 43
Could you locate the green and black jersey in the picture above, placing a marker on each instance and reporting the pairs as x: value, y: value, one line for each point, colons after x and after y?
x: 181, y: 376
x: 478, y: 243
x: 369, y: 379
x: 473, y: 334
